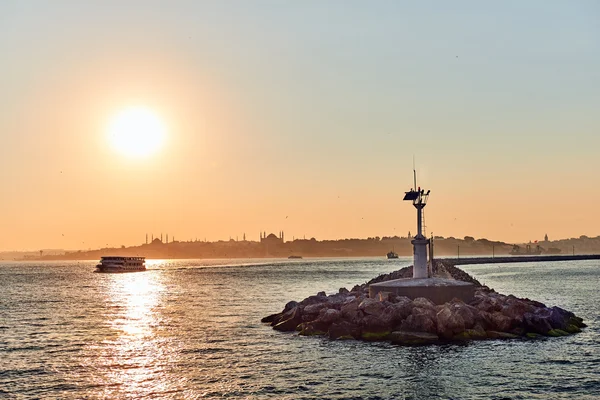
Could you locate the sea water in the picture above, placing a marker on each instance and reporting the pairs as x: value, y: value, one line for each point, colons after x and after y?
x: 191, y: 329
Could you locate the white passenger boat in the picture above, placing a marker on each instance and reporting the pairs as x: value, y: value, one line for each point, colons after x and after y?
x: 121, y: 264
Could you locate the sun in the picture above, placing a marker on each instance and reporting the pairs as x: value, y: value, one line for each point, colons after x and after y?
x: 136, y: 132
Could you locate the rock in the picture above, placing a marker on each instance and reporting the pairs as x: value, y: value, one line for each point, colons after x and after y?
x: 343, y: 330
x: 314, y: 309
x: 514, y: 309
x: 500, y: 322
x: 357, y: 288
x: 449, y: 323
x: 343, y: 290
x: 420, y: 320
x: 290, y: 324
x: 422, y: 302
x: 313, y: 300
x: 466, y: 312
x: 488, y: 304
x: 374, y: 323
x: 290, y: 306
x: 564, y: 320
x: 270, y: 318
x: 394, y: 313
x: 329, y: 315
x: 412, y: 338
x: 311, y: 329
x: 537, y: 323
x: 371, y: 306
x: 284, y: 315
x: 350, y: 311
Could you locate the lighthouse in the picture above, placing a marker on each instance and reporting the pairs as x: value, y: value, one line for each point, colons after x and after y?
x: 423, y: 283
x: 419, y: 198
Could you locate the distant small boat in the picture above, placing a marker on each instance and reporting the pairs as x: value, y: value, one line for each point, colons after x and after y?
x: 392, y: 254
x: 294, y: 257
x: 121, y: 264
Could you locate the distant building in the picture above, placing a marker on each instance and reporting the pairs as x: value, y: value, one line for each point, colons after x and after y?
x: 271, y: 238
x: 546, y: 237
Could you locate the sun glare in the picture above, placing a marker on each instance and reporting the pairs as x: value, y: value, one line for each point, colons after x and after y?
x: 136, y: 132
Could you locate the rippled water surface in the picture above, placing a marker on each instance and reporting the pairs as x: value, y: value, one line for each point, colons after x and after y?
x: 191, y: 329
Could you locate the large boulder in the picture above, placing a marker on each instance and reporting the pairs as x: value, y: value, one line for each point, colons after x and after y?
x: 422, y: 302
x: 395, y: 313
x: 270, y: 318
x: 320, y: 298
x: 290, y: 305
x: 312, y: 311
x: 290, y: 321
x: 372, y: 307
x: 449, y: 323
x: 565, y: 320
x: 500, y: 322
x: 344, y: 330
x: 374, y: 323
x: 488, y: 303
x: 329, y: 315
x: 420, y: 320
x: 350, y: 311
x: 467, y: 312
x: 538, y: 322
x: 515, y: 309
x: 312, y: 328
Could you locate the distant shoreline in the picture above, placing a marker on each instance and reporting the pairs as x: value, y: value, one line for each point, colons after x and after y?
x: 273, y: 247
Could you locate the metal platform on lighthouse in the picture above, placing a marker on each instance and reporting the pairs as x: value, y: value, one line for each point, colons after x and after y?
x: 423, y: 284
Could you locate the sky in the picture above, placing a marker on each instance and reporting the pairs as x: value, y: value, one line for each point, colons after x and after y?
x: 299, y: 116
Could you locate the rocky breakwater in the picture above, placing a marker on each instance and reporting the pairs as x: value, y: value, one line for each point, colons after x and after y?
x: 351, y: 314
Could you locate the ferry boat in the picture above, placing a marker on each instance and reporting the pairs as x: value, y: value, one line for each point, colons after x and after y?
x: 392, y: 254
x: 121, y: 264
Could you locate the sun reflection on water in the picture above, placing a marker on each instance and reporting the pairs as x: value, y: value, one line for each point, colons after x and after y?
x: 130, y: 360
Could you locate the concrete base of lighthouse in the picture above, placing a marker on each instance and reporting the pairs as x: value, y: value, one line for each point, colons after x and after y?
x: 420, y: 257
x: 438, y: 290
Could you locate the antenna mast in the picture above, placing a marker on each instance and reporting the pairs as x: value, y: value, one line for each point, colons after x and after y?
x: 414, y: 172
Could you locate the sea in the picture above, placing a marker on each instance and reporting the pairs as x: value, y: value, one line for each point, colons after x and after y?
x: 190, y: 329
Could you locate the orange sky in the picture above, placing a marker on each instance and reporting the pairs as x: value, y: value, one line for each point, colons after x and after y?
x: 302, y: 119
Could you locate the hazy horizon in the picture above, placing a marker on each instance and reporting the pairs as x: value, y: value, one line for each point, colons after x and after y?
x: 301, y: 117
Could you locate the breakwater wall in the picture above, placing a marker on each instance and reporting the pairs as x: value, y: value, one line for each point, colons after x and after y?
x: 516, y: 259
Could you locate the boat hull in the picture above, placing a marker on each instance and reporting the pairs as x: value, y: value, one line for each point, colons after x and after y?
x: 117, y: 270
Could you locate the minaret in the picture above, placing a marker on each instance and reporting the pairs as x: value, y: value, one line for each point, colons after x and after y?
x: 167, y: 238
x: 161, y: 238
x: 146, y: 238
x: 419, y: 199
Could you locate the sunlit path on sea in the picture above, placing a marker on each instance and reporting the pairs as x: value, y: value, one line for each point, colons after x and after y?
x: 191, y: 329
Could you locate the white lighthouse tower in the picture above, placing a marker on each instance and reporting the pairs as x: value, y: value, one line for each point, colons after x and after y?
x: 419, y: 198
